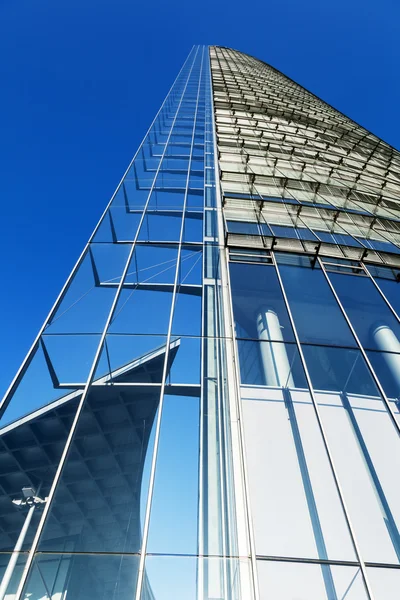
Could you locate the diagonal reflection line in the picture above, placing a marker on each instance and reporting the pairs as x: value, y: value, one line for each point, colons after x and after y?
x: 72, y: 305
x: 350, y: 584
x: 145, y: 281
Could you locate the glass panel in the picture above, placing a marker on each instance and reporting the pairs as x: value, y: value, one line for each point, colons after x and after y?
x: 186, y: 365
x: 316, y: 314
x: 302, y: 581
x: 132, y: 359
x: 82, y: 577
x: 376, y: 326
x: 191, y: 266
x: 258, y: 304
x: 85, y: 305
x: 152, y: 264
x: 96, y: 507
x: 387, y: 367
x: 391, y: 290
x: 29, y: 456
x: 193, y: 227
x: 385, y: 583
x: 187, y: 312
x: 270, y: 363
x: 295, y: 505
x: 186, y: 578
x: 167, y: 199
x: 157, y: 228
x: 142, y: 311
x: 356, y: 421
x: 70, y: 357
x: 13, y: 576
x: 38, y: 386
x: 108, y: 262
x: 119, y: 224
x: 174, y: 513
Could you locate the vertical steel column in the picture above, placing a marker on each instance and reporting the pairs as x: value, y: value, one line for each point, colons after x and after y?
x: 242, y: 494
x: 324, y: 438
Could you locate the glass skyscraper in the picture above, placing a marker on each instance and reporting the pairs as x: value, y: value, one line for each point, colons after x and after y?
x: 211, y: 408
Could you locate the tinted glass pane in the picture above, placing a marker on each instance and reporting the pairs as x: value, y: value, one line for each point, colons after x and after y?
x: 97, y: 502
x: 317, y: 316
x: 258, y: 304
x: 82, y: 576
x: 375, y: 325
x: 174, y: 514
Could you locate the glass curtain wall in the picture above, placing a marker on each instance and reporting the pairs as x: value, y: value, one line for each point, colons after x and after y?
x: 117, y: 477
x: 310, y: 205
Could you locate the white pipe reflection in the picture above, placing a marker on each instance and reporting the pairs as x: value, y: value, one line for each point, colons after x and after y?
x: 386, y: 341
x: 274, y: 357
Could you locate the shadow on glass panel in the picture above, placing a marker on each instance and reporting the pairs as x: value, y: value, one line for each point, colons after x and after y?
x: 108, y: 263
x: 274, y: 364
x: 82, y: 577
x: 142, y: 311
x: 130, y: 196
x: 39, y: 385
x: 86, y: 304
x: 70, y: 357
x: 303, y: 581
x: 119, y: 224
x: 187, y: 578
x: 30, y: 452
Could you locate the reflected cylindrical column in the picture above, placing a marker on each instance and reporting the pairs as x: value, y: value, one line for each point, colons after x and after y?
x: 386, y: 341
x: 274, y: 357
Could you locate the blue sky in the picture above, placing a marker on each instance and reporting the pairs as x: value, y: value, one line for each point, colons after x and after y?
x: 81, y: 82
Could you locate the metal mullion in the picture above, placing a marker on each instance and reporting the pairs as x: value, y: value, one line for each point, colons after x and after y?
x: 324, y: 437
x: 364, y: 266
x: 363, y: 352
x: 146, y: 524
x: 200, y: 520
x: 89, y: 381
x: 240, y: 475
x: 30, y: 354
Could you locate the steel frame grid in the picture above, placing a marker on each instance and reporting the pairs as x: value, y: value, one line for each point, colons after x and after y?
x: 234, y: 73
x: 199, y: 55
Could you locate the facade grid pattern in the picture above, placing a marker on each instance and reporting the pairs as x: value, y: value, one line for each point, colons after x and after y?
x: 212, y: 407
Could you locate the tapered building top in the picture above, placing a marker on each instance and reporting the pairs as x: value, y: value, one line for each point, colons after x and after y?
x: 304, y: 164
